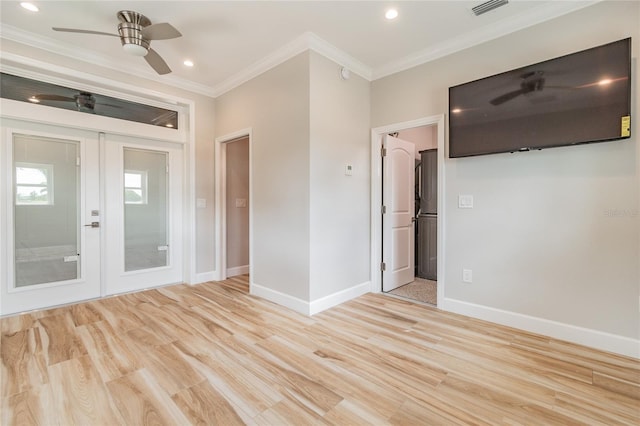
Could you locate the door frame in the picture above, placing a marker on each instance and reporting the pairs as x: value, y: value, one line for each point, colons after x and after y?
x: 220, y: 208
x: 377, y: 135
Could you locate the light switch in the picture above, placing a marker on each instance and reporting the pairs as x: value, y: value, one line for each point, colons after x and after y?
x: 241, y: 202
x: 201, y: 203
x: 465, y: 201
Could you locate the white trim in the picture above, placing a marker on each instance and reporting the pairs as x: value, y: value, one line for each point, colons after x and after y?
x: 511, y: 24
x: 237, y: 270
x: 307, y: 41
x: 203, y: 277
x: 376, y: 198
x: 53, y: 116
x: 282, y: 299
x: 55, y: 74
x: 220, y: 208
x: 580, y: 335
x: 339, y: 297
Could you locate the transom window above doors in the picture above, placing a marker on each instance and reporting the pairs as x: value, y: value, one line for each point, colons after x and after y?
x: 43, y: 93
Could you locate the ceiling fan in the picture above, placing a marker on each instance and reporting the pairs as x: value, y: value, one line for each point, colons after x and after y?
x: 136, y: 33
x: 84, y: 101
x: 531, y: 81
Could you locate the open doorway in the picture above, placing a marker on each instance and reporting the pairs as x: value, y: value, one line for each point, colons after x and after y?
x: 420, y: 282
x: 423, y: 275
x: 237, y: 207
x: 233, y: 209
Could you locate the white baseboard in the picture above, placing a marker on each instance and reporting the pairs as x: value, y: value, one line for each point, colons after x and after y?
x: 285, y: 300
x: 583, y: 336
x: 203, y: 277
x: 309, y: 308
x: 339, y: 297
x: 237, y: 270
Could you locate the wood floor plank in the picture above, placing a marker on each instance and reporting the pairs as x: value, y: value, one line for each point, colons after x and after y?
x: 141, y: 401
x: 213, y: 354
x: 204, y: 405
x: 81, y: 397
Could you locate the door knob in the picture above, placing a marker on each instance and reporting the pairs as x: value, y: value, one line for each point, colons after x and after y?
x: 93, y: 225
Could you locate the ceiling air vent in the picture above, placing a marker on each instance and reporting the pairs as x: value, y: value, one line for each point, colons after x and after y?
x: 487, y: 6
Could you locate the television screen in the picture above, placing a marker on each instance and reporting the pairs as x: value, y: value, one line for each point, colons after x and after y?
x: 578, y: 98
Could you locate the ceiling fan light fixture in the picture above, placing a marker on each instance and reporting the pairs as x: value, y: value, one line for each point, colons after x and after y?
x: 135, y: 49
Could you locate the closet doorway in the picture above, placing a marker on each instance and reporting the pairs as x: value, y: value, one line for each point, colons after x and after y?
x: 233, y: 204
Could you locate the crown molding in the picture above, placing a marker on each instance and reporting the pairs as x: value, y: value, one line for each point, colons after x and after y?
x: 27, y: 38
x: 309, y: 41
x: 306, y: 41
x: 545, y: 12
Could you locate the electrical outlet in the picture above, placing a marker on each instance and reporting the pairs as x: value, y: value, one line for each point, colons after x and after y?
x: 467, y: 275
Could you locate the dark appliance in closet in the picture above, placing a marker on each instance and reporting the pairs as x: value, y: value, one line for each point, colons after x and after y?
x: 427, y: 215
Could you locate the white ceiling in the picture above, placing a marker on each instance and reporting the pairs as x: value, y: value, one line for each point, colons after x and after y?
x: 231, y: 41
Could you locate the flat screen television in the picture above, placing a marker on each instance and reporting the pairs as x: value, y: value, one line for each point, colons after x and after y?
x: 579, y: 98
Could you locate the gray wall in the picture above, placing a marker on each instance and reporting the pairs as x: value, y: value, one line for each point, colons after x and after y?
x: 237, y: 217
x: 276, y: 106
x: 339, y: 209
x: 554, y: 234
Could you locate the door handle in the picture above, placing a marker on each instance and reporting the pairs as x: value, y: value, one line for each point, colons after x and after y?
x: 413, y: 219
x: 93, y: 225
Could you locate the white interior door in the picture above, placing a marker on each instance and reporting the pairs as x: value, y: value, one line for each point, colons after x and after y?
x: 49, y: 189
x: 143, y: 196
x: 398, y: 250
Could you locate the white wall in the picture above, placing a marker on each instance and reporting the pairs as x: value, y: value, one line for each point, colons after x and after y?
x: 275, y: 105
x: 339, y: 209
x: 555, y: 234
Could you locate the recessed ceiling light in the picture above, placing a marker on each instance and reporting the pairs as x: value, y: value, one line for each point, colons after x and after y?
x: 29, y: 6
x: 188, y: 63
x: 456, y: 110
x: 168, y: 125
x: 391, y: 14
x: 34, y: 100
x: 605, y: 81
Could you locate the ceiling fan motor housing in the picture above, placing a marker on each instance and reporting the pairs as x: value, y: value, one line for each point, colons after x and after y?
x: 130, y: 31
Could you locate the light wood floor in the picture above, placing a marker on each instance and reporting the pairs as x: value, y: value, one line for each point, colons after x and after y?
x: 212, y: 354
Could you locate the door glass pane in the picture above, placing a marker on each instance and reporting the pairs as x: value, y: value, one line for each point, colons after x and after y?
x: 145, y: 209
x: 46, y: 200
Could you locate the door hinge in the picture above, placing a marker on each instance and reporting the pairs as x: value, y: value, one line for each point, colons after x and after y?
x: 383, y: 151
x: 77, y: 161
x: 384, y: 209
x: 383, y: 266
x: 167, y: 169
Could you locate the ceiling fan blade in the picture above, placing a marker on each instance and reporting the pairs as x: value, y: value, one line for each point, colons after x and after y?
x: 54, y: 98
x: 157, y: 63
x: 161, y: 31
x: 75, y: 30
x: 506, y: 97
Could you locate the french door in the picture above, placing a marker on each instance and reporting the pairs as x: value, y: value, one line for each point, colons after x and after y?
x: 147, y: 212
x: 83, y: 215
